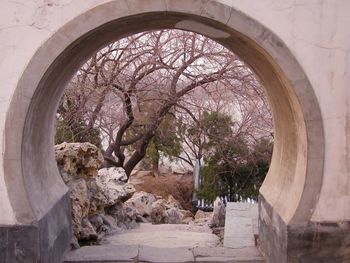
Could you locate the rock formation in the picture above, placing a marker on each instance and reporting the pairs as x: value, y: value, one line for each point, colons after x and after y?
x: 102, y: 201
x: 218, y: 216
x: 92, y: 191
x: 78, y: 160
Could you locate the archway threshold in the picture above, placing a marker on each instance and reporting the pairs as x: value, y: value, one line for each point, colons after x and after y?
x: 143, y: 254
x: 179, y: 243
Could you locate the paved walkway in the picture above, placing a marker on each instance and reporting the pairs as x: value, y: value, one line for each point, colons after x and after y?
x: 166, y: 236
x: 141, y: 254
x: 175, y: 244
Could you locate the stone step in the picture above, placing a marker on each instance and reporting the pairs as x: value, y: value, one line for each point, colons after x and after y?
x: 240, y: 225
x: 124, y: 253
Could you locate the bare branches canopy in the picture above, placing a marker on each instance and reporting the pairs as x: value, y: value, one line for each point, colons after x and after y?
x: 153, y: 90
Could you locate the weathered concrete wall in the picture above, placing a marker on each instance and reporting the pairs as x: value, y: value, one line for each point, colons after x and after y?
x: 316, y: 32
x: 24, y: 27
x: 308, y: 182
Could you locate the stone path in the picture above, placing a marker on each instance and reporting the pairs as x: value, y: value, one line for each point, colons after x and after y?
x: 240, y: 225
x: 167, y: 235
x: 176, y: 244
x: 141, y: 254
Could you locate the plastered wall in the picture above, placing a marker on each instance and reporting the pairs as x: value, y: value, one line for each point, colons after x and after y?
x: 315, y: 31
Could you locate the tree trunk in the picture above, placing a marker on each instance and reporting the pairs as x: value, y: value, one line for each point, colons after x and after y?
x: 155, y: 166
x: 132, y: 162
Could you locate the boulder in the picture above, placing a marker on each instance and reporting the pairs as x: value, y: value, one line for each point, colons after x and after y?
x: 218, y: 216
x: 80, y: 204
x: 130, y: 211
x: 118, y: 212
x: 93, y: 191
x: 140, y: 204
x: 97, y: 197
x: 97, y: 222
x: 187, y: 216
x: 173, y: 216
x: 202, y: 218
x: 173, y: 202
x: 87, y: 231
x: 169, y: 212
x: 158, y: 214
x: 74, y: 244
x: 78, y: 160
x: 115, y: 175
x: 200, y: 214
x: 112, y: 182
x: 103, y: 201
x: 111, y: 222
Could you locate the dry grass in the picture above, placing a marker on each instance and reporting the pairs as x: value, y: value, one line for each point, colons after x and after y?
x: 180, y: 187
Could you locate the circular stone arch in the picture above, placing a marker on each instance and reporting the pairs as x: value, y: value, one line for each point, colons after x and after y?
x: 37, y: 193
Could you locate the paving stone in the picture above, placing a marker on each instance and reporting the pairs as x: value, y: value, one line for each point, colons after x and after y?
x: 166, y: 255
x: 109, y: 253
x: 226, y: 252
x: 239, y: 229
x: 168, y: 235
x: 229, y: 260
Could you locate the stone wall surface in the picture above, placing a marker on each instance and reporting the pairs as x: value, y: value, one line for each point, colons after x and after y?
x: 315, y: 32
x: 24, y: 26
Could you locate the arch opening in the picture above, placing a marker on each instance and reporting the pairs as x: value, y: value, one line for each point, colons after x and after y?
x: 219, y: 122
x: 291, y: 188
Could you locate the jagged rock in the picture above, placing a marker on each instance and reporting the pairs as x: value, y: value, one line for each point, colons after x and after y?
x: 173, y: 202
x: 125, y: 217
x: 109, y: 221
x: 173, y: 216
x: 187, y: 216
x: 97, y: 197
x: 74, y: 244
x: 107, y: 189
x: 78, y: 159
x: 87, y: 231
x: 133, y: 224
x: 80, y: 203
x: 118, y: 212
x: 97, y: 223
x: 112, y: 182
x: 158, y: 214
x: 141, y: 219
x: 202, y: 218
x: 200, y: 214
x: 218, y: 216
x: 139, y: 204
x: 92, y: 191
x: 169, y: 211
x: 115, y: 175
x: 130, y: 211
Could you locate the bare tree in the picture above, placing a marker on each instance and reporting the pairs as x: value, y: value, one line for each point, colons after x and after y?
x: 127, y: 89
